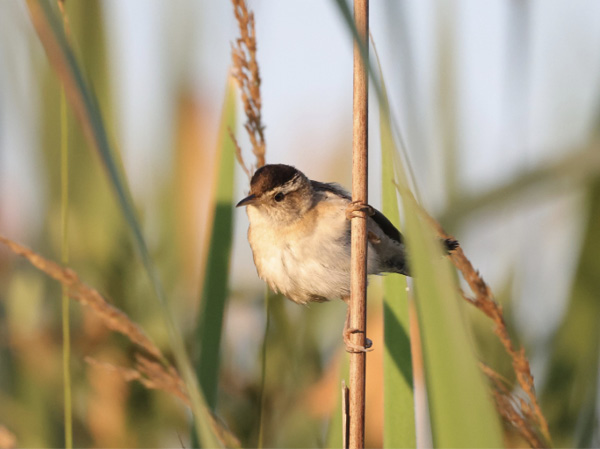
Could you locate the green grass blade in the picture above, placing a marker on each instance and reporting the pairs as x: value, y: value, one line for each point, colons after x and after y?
x: 263, y: 370
x: 216, y: 278
x: 66, y: 325
x: 61, y: 57
x: 399, y: 406
x: 460, y: 404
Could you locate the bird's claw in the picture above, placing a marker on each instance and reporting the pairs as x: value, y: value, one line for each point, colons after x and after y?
x: 358, y: 206
x: 353, y: 347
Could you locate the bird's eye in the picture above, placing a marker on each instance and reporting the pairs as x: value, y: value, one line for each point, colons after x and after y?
x: 279, y: 197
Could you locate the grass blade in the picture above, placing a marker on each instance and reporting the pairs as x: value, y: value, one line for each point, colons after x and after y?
x: 263, y: 369
x: 215, y: 290
x: 460, y: 405
x: 399, y: 407
x: 85, y: 107
x: 64, y: 218
x: 66, y: 325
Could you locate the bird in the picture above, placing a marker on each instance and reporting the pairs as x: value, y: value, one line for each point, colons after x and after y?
x: 299, y: 233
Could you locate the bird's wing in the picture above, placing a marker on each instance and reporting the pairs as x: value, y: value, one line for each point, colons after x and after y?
x: 386, y: 226
x: 331, y: 187
x: 381, y: 220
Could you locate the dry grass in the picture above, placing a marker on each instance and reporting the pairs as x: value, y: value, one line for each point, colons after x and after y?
x: 239, y: 156
x: 150, y: 373
x: 513, y: 409
x: 151, y: 368
x: 247, y: 74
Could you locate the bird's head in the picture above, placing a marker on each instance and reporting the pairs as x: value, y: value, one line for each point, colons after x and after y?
x: 281, y: 192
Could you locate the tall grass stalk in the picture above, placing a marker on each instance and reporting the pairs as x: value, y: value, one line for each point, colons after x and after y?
x: 64, y: 216
x: 66, y: 325
x: 461, y: 410
x: 216, y: 277
x: 399, y: 406
x: 399, y: 399
x: 263, y: 378
x: 358, y: 253
x: 460, y: 404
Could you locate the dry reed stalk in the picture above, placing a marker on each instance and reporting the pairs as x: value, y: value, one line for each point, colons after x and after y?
x: 151, y: 367
x: 246, y: 72
x: 358, y: 224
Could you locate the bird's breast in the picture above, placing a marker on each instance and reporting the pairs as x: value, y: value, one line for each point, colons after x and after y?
x: 306, y: 261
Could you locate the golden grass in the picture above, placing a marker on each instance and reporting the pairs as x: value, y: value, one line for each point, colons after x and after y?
x: 513, y: 409
x: 247, y: 74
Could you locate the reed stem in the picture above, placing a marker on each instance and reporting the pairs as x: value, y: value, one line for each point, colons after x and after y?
x: 358, y: 297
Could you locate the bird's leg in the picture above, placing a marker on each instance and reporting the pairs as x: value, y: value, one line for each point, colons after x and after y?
x: 348, y: 331
x: 358, y: 206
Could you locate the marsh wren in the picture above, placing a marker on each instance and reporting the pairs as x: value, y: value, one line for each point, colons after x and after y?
x: 300, y: 238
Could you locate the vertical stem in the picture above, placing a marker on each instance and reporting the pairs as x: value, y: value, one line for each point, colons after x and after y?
x: 358, y: 317
x: 344, y: 415
x: 66, y: 326
x: 64, y: 214
x: 263, y: 396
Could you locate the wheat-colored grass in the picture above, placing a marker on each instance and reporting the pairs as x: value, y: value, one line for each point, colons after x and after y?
x: 247, y: 74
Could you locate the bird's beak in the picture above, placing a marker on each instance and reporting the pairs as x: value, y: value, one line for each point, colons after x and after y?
x: 250, y: 199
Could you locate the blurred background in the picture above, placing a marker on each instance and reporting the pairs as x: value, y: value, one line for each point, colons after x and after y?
x: 497, y: 103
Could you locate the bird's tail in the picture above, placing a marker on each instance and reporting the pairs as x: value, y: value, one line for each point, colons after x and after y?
x: 403, y: 268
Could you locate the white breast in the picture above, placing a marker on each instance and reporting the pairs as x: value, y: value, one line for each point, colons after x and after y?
x: 306, y: 261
